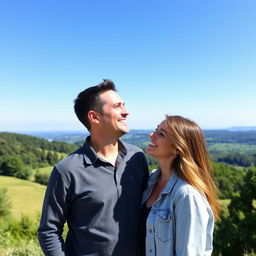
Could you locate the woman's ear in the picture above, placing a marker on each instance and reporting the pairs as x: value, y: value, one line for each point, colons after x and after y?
x: 93, y: 116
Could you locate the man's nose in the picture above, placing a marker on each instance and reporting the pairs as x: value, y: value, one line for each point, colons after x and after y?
x: 125, y: 112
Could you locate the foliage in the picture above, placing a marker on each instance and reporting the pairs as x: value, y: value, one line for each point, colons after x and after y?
x: 19, y: 154
x: 11, y: 165
x: 228, y: 179
x: 5, y: 204
x: 239, y: 159
x: 19, y: 237
x: 27, y: 248
x: 225, y: 136
x: 32, y: 151
x: 235, y: 234
x: 41, y: 178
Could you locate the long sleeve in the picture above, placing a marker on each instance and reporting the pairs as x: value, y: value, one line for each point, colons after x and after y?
x: 192, y: 225
x: 53, y: 216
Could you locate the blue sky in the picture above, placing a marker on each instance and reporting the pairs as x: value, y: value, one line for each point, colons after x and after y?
x: 184, y: 57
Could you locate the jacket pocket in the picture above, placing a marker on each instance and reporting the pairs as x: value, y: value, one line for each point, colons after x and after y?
x: 163, y: 225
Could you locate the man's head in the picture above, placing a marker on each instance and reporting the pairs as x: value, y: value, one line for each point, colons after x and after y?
x: 100, y: 105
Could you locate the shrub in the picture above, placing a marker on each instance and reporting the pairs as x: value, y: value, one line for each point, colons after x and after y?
x: 30, y: 248
x: 24, y: 174
x: 41, y: 178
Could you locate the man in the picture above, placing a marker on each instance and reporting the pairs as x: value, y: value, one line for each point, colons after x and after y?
x: 97, y: 189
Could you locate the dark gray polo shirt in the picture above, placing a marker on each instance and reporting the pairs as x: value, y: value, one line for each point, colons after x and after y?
x: 100, y: 203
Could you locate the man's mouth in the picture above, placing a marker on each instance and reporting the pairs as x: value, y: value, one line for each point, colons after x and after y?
x: 123, y: 121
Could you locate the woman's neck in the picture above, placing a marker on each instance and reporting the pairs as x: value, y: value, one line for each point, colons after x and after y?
x: 166, y: 169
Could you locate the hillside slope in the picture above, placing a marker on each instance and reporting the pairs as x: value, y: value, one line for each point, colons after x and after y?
x: 26, y: 196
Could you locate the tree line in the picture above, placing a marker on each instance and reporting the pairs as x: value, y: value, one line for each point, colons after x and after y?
x: 19, y: 154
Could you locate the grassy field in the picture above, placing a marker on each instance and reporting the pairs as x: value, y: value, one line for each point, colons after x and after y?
x: 232, y: 148
x: 26, y: 196
x: 45, y: 170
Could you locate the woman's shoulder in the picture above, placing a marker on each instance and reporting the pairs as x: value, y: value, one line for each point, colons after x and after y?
x: 183, y: 188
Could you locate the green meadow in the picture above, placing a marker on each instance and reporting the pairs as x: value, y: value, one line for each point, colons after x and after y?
x: 45, y: 170
x: 26, y: 196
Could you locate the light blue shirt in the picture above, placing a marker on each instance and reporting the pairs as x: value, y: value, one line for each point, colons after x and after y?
x: 180, y: 222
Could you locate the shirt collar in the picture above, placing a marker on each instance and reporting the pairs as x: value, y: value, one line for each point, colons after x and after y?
x: 90, y: 156
x: 172, y: 181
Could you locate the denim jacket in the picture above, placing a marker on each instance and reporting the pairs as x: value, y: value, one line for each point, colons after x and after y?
x: 180, y: 222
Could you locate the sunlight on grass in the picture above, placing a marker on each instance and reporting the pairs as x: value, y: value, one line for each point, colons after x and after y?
x: 26, y: 196
x: 45, y: 170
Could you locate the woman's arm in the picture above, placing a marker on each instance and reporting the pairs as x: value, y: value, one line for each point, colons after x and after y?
x: 193, y: 225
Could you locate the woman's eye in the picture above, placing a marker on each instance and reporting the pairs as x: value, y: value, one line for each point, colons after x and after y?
x: 159, y: 133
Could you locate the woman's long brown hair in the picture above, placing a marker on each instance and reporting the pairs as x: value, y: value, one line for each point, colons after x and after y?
x: 192, y: 163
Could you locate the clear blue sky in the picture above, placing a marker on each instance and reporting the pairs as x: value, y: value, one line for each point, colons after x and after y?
x: 187, y: 57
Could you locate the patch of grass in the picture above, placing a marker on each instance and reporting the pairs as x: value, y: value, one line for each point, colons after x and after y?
x: 45, y: 170
x: 26, y: 196
x: 232, y: 148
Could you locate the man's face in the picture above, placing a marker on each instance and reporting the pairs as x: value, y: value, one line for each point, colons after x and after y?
x: 113, y: 116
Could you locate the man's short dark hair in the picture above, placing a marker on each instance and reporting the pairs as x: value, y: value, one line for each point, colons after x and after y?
x: 89, y: 100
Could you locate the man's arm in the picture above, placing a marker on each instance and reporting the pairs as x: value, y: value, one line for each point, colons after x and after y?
x: 53, y: 216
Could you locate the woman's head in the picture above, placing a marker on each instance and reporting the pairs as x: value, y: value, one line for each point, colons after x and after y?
x: 177, y: 137
x: 161, y: 146
x: 188, y: 140
x: 182, y: 140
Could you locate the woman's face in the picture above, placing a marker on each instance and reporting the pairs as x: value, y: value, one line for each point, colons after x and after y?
x: 161, y: 145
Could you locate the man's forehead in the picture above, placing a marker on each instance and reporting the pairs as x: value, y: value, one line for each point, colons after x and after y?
x: 111, y: 97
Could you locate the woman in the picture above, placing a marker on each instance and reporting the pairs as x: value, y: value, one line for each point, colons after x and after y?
x: 179, y: 206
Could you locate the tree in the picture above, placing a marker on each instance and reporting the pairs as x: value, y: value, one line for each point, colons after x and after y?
x: 11, y: 165
x: 235, y: 233
x: 228, y: 179
x: 41, y: 178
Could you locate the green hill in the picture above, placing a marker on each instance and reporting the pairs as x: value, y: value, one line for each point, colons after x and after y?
x: 20, y: 153
x: 26, y: 196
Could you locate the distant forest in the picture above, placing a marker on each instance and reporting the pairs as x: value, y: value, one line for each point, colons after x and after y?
x: 224, y: 146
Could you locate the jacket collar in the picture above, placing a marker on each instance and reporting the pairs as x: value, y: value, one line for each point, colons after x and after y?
x: 170, y: 184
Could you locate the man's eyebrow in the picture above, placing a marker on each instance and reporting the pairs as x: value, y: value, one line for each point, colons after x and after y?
x: 119, y: 103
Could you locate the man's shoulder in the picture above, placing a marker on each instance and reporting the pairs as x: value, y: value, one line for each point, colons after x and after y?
x: 72, y: 160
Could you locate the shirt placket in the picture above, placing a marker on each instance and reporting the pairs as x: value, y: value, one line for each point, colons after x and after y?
x: 150, y: 245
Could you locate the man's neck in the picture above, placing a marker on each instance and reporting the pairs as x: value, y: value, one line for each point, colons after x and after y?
x: 106, y: 148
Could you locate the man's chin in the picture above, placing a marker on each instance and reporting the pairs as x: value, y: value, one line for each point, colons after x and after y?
x: 124, y: 131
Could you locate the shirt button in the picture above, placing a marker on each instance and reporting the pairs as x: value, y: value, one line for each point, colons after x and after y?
x: 150, y: 231
x: 151, y: 250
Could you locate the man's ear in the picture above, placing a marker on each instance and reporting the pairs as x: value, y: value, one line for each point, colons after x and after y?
x: 93, y: 116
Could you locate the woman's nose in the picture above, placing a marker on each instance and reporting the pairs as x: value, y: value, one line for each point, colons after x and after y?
x: 152, y: 134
